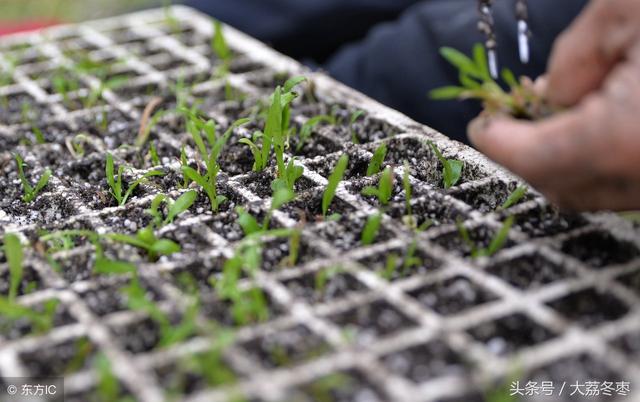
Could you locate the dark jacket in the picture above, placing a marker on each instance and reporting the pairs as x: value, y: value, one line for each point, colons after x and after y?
x: 388, y: 49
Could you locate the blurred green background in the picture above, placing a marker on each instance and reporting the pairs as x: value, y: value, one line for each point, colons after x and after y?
x: 12, y: 11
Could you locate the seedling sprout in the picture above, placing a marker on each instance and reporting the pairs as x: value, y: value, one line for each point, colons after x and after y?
x: 384, y: 191
x: 31, y: 192
x: 515, y: 197
x: 451, y: 168
x: 377, y: 160
x: 15, y: 255
x: 371, y: 229
x: 115, y: 181
x: 496, y: 244
x: 334, y: 179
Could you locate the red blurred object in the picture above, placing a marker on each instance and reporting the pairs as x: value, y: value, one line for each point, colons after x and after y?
x: 9, y: 27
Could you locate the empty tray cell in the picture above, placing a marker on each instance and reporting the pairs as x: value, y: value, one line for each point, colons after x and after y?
x: 323, y: 285
x: 42, y: 319
x: 480, y: 239
x: 569, y: 375
x: 365, y: 323
x: 599, y: 249
x: 50, y: 209
x: 508, y: 335
x: 547, y: 221
x: 407, y: 262
x: 530, y: 271
x: 315, y: 146
x: 286, y: 348
x: 140, y: 336
x: 426, y: 362
x: 452, y: 296
x: 343, y: 386
x: 68, y: 357
x: 590, y: 307
x: 488, y: 197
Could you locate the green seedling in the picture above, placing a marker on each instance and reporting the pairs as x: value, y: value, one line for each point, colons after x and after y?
x: 38, y: 134
x: 221, y: 48
x: 31, y: 192
x: 209, y: 180
x: 371, y: 229
x: 210, y: 364
x: 496, y: 244
x: 40, y: 320
x: 323, y: 277
x: 169, y: 17
x: 307, y: 128
x: 325, y: 388
x: 170, y: 333
x: 105, y: 266
x: 96, y: 92
x: 384, y: 191
x: 451, y: 168
x: 147, y: 240
x: 249, y: 223
x: 76, y: 145
x: 153, y: 154
x: 116, y: 183
x: 64, y: 82
x: 355, y: 116
x: 289, y: 178
x: 334, y: 179
x: 377, y: 160
x: 409, y: 260
x: 515, y: 197
x: 83, y: 348
x: 14, y: 255
x: 108, y: 387
x: 277, y: 128
x: 521, y: 101
x: 175, y: 208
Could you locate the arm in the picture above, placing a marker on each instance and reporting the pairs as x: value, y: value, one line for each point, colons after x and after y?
x: 587, y: 157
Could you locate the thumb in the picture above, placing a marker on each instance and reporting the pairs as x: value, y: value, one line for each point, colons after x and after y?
x: 536, y: 151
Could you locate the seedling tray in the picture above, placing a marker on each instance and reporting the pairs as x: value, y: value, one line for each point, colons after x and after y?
x: 560, y: 302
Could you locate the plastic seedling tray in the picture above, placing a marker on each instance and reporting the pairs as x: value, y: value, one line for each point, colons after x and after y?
x: 559, y: 302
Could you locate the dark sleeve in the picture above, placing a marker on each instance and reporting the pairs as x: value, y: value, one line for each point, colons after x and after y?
x: 398, y: 63
x: 304, y: 29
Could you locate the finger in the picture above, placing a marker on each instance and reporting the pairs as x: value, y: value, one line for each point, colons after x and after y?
x: 537, y: 151
x: 588, y: 50
x: 597, y: 194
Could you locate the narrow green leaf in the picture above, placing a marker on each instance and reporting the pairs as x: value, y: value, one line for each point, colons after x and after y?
x: 371, y: 228
x: 165, y: 247
x: 515, y: 197
x: 104, y: 266
x: 14, y: 255
x: 447, y: 93
x: 334, y: 179
x: 182, y: 204
x: 293, y: 82
x: 501, y: 238
x: 377, y: 160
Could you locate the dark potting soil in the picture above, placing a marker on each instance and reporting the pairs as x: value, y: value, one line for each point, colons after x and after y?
x: 344, y: 386
x: 590, y: 307
x: 310, y: 287
x: 598, y: 249
x: 421, y: 264
x: 452, y: 296
x: 368, y: 322
x: 547, y: 221
x: 426, y: 362
x: 529, y: 271
x: 67, y: 357
x: 481, y: 237
x: 286, y: 348
x: 509, y: 334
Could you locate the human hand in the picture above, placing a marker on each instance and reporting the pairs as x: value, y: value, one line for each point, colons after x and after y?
x: 588, y: 156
